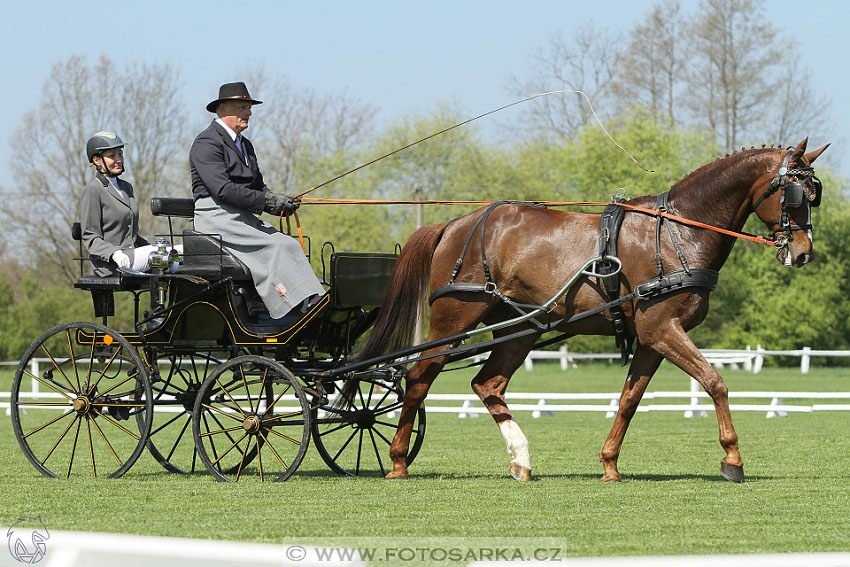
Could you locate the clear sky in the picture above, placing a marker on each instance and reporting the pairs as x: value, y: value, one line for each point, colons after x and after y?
x: 399, y: 56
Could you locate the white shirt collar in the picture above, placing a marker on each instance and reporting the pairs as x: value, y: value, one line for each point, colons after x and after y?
x: 227, y: 129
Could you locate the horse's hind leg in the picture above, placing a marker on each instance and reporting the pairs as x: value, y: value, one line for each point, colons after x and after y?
x: 644, y: 364
x: 490, y: 384
x: 418, y: 381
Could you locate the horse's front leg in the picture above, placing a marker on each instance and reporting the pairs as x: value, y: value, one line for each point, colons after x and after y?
x: 418, y: 381
x: 678, y: 349
x: 643, y: 366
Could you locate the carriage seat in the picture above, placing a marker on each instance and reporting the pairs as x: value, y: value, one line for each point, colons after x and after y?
x: 115, y: 282
x: 204, y: 256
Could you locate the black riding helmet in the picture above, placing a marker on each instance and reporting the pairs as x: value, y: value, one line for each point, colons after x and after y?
x: 100, y: 142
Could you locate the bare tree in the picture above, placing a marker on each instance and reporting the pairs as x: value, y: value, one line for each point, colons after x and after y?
x: 650, y: 71
x: 299, y: 128
x: 796, y: 111
x: 732, y: 71
x: 48, y: 157
x: 586, y: 62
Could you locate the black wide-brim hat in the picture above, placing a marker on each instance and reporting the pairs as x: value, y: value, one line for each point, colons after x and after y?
x: 232, y: 91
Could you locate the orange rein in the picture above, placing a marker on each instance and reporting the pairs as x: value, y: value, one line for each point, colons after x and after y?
x: 744, y: 236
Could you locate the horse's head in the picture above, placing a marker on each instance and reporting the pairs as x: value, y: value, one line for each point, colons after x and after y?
x: 785, y: 206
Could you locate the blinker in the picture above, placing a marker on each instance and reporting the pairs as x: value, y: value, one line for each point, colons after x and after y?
x: 793, y: 194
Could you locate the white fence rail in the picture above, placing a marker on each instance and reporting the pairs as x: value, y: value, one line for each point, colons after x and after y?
x: 748, y: 359
x: 541, y: 404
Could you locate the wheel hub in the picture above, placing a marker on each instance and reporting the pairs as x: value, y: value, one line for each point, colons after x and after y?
x: 82, y: 405
x: 251, y: 424
x: 364, y: 418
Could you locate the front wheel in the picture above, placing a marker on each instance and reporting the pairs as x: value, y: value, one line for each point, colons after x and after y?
x: 251, y: 418
x: 93, y: 408
x: 354, y: 434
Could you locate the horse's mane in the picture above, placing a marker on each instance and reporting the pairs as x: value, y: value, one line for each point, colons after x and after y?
x: 726, y: 161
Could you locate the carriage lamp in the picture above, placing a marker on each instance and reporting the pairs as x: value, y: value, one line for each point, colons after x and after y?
x: 164, y: 257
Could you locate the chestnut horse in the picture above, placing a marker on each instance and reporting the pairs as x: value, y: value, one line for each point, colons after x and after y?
x: 532, y: 251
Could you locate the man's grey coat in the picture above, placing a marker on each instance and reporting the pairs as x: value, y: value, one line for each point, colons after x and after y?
x: 229, y: 191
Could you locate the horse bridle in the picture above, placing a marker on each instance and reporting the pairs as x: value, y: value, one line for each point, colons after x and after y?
x: 791, y: 197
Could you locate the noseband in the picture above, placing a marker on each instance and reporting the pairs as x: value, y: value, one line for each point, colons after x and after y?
x: 791, y: 197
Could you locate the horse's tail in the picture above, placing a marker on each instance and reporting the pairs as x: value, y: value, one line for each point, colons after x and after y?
x: 404, y: 298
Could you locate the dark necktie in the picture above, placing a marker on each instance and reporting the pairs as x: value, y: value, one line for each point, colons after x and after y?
x: 239, y: 144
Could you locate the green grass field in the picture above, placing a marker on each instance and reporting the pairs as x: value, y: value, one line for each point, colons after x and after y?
x: 672, y: 499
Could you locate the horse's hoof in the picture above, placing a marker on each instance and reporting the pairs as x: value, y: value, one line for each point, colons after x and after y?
x: 520, y: 472
x: 732, y: 472
x: 394, y: 475
x: 610, y: 479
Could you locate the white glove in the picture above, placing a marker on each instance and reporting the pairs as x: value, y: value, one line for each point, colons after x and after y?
x: 121, y: 259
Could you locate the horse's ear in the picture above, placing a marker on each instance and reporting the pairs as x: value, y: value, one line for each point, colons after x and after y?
x: 813, y: 155
x: 799, y: 151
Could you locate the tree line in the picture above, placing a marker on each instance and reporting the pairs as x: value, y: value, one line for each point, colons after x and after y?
x: 679, y: 91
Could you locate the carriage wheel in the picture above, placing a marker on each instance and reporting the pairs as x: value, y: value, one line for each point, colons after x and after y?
x: 251, y: 418
x: 175, y: 389
x: 355, y: 438
x: 94, y: 406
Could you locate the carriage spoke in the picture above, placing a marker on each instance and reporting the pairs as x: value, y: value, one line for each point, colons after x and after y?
x: 242, y: 461
x: 76, y: 417
x: 344, y: 445
x: 381, y: 435
x: 91, y: 450
x: 179, y: 437
x: 51, y: 422
x: 108, y: 444
x: 116, y: 424
x: 377, y: 454
x: 247, y: 391
x: 93, y: 387
x: 73, y: 359
x: 224, y: 413
x: 50, y: 384
x: 167, y: 423
x: 343, y: 425
x: 271, y: 405
x: 235, y: 443
x: 73, y: 448
x: 227, y: 393
x: 57, y: 367
x: 276, y: 454
x: 287, y: 437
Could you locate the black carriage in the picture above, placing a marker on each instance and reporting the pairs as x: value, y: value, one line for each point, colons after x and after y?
x: 206, y: 379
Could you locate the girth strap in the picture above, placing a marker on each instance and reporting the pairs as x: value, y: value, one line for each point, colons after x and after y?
x: 609, y: 231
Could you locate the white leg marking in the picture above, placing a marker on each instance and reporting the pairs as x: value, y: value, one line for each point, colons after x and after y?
x: 517, y: 443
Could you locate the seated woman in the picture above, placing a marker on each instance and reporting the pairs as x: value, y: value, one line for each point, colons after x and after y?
x: 109, y: 212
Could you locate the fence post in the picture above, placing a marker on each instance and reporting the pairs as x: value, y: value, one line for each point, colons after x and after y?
x: 34, y: 369
x: 529, y: 365
x: 805, y: 359
x: 759, y: 360
x: 695, y: 401
x: 748, y: 363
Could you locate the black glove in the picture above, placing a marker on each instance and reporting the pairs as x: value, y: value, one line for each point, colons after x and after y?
x: 277, y: 203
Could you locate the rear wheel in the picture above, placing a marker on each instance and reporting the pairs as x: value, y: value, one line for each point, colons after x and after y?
x: 93, y: 410
x: 354, y: 437
x: 175, y: 385
x: 251, y: 418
